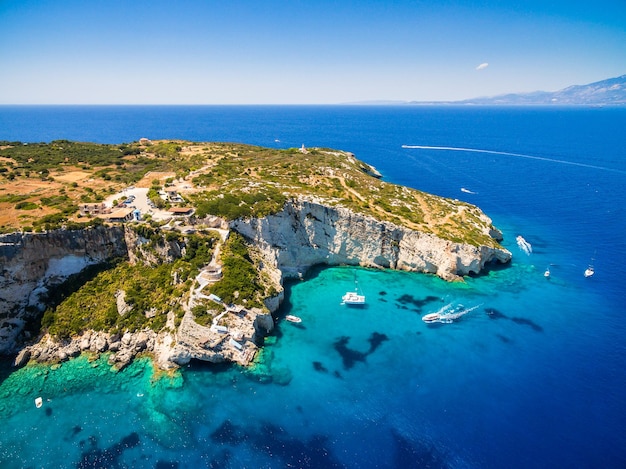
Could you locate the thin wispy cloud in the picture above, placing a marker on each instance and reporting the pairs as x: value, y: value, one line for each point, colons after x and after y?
x: 482, y: 66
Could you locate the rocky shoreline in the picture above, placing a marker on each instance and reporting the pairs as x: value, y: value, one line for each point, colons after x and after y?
x: 122, y: 349
x: 306, y: 233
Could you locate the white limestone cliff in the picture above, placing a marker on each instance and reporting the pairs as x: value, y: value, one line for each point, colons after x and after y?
x: 307, y: 233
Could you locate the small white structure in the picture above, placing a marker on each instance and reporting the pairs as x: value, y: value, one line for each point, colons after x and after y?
x: 235, y: 344
x: 215, y: 298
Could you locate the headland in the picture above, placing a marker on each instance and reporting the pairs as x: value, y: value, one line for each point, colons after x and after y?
x: 179, y: 250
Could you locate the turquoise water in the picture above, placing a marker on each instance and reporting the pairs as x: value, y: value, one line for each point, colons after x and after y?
x: 532, y: 377
x: 343, y: 378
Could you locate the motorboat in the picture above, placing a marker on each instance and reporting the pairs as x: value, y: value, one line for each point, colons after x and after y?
x: 448, y: 314
x: 546, y: 274
x: 292, y: 318
x: 431, y: 317
x: 38, y: 402
x: 589, y: 271
x: 524, y: 245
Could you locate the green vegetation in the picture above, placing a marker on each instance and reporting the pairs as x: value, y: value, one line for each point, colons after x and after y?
x: 240, y: 281
x: 231, y: 181
x: 26, y: 206
x: 203, y: 315
x: 151, y: 291
x: 257, y: 204
x: 40, y: 158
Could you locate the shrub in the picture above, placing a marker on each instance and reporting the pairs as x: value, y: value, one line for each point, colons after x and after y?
x: 26, y: 206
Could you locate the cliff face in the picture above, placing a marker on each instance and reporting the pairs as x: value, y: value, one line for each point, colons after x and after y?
x: 307, y: 233
x: 31, y: 265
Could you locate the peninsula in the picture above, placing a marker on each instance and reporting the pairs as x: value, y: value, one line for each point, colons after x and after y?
x: 180, y: 249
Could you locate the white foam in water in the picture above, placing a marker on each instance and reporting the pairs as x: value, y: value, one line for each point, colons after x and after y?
x: 524, y: 245
x: 506, y: 153
x: 458, y: 312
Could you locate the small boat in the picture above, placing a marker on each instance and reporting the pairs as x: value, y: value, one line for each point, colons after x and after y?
x: 448, y: 314
x: 431, y: 317
x: 589, y: 271
x: 467, y: 191
x: 38, y: 402
x: 353, y: 298
x: 292, y: 318
x: 546, y: 274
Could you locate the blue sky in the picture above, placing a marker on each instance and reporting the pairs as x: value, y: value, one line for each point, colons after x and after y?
x: 301, y: 52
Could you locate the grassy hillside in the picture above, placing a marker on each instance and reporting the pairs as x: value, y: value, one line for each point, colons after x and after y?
x: 42, y: 184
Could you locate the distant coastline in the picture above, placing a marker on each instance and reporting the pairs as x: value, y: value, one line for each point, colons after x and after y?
x: 609, y: 92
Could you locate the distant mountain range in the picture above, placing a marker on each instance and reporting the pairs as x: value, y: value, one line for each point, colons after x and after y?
x: 610, y: 92
x: 606, y: 92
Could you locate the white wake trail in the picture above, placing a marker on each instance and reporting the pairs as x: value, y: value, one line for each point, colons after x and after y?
x: 518, y: 155
x: 447, y: 318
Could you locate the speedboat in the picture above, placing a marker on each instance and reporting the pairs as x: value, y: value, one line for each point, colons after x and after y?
x: 589, y: 271
x: 292, y: 318
x: 38, y: 402
x: 524, y: 245
x: 431, y: 317
x: 546, y: 274
x: 353, y: 298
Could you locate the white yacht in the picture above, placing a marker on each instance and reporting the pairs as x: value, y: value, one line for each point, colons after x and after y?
x: 589, y: 271
x: 292, y: 318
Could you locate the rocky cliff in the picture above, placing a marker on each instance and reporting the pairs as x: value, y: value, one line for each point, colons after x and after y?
x: 307, y: 233
x: 33, y: 265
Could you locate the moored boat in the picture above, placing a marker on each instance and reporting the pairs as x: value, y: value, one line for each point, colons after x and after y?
x: 353, y: 298
x: 292, y: 318
x: 589, y: 271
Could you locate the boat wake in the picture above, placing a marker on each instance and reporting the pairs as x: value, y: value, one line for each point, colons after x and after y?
x: 448, y: 314
x: 517, y: 155
x: 524, y: 245
x: 467, y: 191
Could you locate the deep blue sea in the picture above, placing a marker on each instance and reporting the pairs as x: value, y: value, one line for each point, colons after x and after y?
x: 533, y: 377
